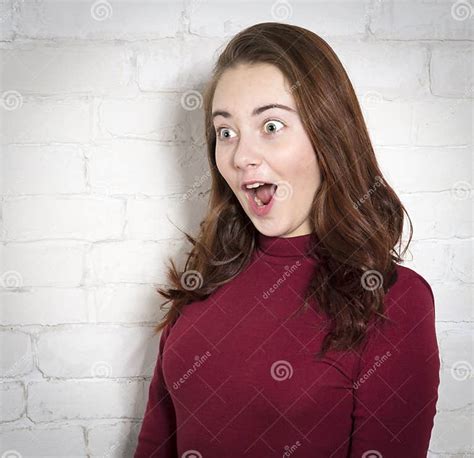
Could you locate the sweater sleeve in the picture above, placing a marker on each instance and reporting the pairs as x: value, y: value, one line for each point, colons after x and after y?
x: 396, y: 387
x: 157, y: 437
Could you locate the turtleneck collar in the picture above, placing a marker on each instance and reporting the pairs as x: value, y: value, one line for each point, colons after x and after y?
x: 286, y: 247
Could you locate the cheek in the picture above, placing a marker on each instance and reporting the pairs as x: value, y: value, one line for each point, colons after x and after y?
x: 307, y: 176
x: 221, y: 165
x: 225, y: 169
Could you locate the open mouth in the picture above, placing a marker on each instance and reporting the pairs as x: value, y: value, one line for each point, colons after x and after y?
x: 262, y: 194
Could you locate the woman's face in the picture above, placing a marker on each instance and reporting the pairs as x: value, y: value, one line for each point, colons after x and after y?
x: 271, y: 146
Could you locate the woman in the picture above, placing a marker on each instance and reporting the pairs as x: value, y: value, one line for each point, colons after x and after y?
x: 292, y: 329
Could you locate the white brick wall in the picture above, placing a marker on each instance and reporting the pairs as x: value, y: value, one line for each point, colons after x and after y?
x: 96, y: 149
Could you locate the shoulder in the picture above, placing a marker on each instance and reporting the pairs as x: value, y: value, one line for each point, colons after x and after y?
x: 408, y: 334
x: 411, y: 287
x: 409, y: 306
x: 165, y: 333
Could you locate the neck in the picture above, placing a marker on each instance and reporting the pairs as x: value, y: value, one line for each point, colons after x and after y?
x: 296, y: 246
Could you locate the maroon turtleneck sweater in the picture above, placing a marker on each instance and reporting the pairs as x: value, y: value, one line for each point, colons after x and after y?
x: 235, y: 375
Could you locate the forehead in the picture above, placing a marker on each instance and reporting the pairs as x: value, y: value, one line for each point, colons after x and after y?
x: 246, y: 86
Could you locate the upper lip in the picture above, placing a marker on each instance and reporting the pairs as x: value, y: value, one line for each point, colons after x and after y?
x: 261, y: 180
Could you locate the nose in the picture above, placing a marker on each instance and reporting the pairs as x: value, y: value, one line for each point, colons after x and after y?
x: 246, y: 153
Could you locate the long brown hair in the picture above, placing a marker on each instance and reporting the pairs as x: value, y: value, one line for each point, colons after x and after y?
x: 356, y: 216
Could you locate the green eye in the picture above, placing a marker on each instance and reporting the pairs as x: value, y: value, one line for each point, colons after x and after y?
x: 218, y: 132
x: 273, y: 122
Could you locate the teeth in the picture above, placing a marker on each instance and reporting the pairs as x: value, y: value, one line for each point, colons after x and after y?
x: 258, y: 201
x: 254, y: 185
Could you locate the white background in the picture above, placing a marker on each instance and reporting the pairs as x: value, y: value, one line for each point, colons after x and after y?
x: 103, y: 149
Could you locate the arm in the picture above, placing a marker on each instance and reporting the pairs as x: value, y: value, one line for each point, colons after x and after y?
x: 396, y: 388
x: 157, y: 437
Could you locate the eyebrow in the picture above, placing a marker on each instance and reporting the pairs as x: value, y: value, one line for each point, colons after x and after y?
x: 256, y: 111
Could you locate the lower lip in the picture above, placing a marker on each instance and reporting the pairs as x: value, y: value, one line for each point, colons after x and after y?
x: 259, y: 211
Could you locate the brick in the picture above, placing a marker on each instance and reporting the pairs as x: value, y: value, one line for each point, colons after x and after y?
x: 47, y: 263
x: 145, y: 168
x: 171, y: 64
x: 388, y: 123
x: 12, y: 400
x: 78, y: 19
x: 6, y: 29
x: 428, y: 258
x: 461, y: 261
x: 453, y: 301
x: 130, y: 261
x: 439, y: 215
x: 337, y: 18
x: 452, y: 434
x: 419, y: 20
x: 31, y: 169
x: 114, y: 440
x: 39, y: 440
x: 391, y: 70
x: 44, y: 306
x: 125, y: 303
x: 68, y: 69
x: 145, y: 216
x: 442, y: 122
x: 65, y: 400
x: 100, y: 351
x: 405, y: 168
x: 161, y: 118
x: 455, y: 343
x: 451, y: 70
x: 83, y: 218
x: 455, y: 392
x: 47, y: 120
x: 18, y: 360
